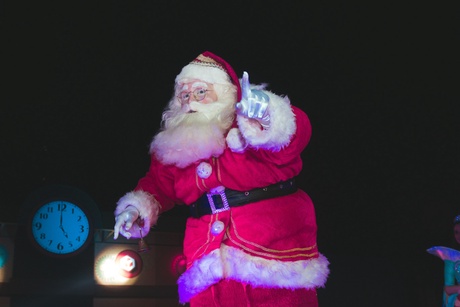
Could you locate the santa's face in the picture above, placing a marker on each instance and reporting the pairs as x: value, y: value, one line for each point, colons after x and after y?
x: 198, y: 91
x: 195, y: 124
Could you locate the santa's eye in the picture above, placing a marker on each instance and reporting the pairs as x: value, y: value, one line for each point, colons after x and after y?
x: 198, y: 94
x: 184, y: 96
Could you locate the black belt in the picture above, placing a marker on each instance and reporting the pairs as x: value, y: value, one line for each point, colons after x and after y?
x: 221, y: 201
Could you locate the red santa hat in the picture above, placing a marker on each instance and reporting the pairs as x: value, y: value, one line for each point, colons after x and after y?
x: 210, y: 68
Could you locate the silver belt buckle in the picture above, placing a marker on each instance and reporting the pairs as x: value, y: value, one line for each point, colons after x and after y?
x: 220, y: 190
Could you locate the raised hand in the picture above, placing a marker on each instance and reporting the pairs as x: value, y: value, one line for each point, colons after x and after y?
x: 254, y: 103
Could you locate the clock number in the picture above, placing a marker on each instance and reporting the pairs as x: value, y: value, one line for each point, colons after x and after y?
x: 38, y: 225
x: 43, y: 216
x: 42, y: 236
x: 62, y: 207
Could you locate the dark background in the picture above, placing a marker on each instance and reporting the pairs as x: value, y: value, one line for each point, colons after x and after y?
x: 85, y: 84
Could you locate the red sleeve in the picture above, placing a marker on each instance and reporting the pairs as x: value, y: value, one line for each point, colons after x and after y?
x: 159, y: 182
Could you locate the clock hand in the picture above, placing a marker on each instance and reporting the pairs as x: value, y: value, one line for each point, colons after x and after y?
x: 62, y: 227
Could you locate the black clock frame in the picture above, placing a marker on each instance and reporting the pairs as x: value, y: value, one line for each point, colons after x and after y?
x: 69, y: 194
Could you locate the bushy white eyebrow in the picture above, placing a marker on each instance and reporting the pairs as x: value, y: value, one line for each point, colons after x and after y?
x: 195, y: 85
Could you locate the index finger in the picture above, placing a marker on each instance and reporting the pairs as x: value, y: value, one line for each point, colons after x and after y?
x: 245, y: 89
x: 116, y: 228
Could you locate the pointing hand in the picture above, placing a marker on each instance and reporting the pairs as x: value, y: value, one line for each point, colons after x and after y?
x: 254, y: 103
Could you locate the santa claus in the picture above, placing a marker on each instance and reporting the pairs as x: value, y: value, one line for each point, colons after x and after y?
x: 231, y: 152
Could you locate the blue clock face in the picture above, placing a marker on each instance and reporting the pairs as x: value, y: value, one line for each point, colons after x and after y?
x: 60, y: 227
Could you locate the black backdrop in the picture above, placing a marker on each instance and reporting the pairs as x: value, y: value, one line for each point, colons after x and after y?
x: 84, y: 86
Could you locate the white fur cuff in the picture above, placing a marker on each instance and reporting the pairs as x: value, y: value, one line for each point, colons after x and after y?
x: 282, y: 125
x: 147, y: 206
x: 235, y: 140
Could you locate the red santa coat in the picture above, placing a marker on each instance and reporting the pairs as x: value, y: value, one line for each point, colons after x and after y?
x: 269, y: 243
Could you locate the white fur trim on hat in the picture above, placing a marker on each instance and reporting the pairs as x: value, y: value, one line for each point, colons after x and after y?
x: 147, y: 206
x: 282, y: 125
x: 232, y: 263
x: 204, y: 73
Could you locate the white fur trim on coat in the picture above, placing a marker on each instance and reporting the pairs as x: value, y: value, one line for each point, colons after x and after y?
x: 147, y: 206
x: 232, y: 263
x: 235, y: 140
x: 282, y: 125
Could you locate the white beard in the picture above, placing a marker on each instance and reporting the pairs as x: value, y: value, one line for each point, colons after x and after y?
x: 190, y: 137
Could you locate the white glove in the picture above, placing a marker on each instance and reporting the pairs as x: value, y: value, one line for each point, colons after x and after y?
x: 124, y: 221
x: 254, y: 103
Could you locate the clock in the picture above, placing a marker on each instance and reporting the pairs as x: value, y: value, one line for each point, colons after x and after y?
x: 60, y: 228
